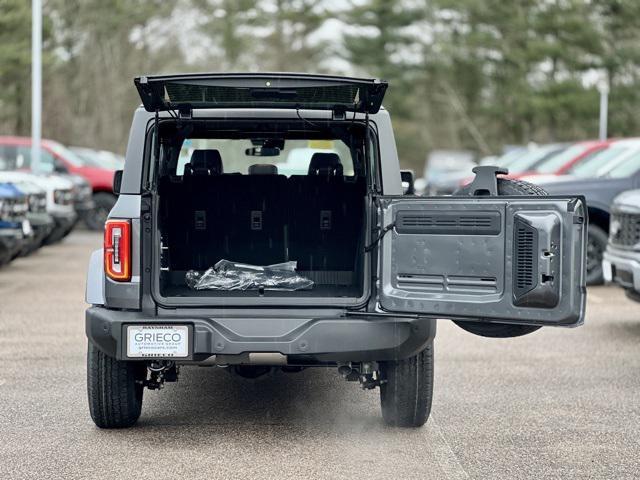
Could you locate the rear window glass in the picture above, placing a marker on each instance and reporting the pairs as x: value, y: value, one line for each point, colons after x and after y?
x: 180, y: 92
x: 293, y: 159
x: 626, y: 168
x: 530, y: 159
x: 19, y: 158
x: 556, y: 162
x: 594, y: 163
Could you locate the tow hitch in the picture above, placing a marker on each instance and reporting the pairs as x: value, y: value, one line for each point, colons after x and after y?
x: 367, y: 373
x: 160, y: 371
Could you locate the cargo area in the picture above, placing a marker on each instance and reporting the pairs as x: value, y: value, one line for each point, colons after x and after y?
x: 305, y: 204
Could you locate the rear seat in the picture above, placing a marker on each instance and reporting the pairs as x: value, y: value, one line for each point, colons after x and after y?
x: 262, y: 217
x: 326, y: 216
x: 255, y: 212
x: 197, y: 223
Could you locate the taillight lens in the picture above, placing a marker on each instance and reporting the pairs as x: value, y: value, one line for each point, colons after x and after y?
x: 117, y: 250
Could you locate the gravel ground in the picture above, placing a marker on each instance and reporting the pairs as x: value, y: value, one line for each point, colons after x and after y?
x: 560, y: 403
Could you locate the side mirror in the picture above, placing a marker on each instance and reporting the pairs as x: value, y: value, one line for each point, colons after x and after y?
x: 408, y: 185
x: 117, y: 181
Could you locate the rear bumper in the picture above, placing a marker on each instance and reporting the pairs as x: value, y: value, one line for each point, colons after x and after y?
x: 622, y: 267
x: 327, y: 339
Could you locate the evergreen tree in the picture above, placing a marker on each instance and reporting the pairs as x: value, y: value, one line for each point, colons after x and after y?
x: 15, y: 65
x: 228, y: 23
x: 379, y: 44
x: 285, y: 31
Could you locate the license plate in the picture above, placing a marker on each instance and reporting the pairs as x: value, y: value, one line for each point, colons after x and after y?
x: 157, y: 341
x: 26, y: 228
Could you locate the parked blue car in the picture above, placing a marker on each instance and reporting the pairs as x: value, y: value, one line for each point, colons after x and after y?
x: 14, y: 226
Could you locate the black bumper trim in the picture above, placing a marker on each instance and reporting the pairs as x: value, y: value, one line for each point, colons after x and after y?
x: 330, y: 339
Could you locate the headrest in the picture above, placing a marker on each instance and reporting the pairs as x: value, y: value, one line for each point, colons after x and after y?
x: 204, y: 162
x: 325, y: 164
x: 263, y: 169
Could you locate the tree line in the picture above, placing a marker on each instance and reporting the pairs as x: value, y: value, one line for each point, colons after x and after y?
x: 464, y: 74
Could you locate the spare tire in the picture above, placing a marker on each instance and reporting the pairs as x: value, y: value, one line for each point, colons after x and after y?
x: 502, y: 330
x: 597, y: 240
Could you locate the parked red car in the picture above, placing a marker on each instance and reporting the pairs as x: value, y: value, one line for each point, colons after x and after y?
x: 56, y: 157
x: 547, y: 163
x: 563, y: 161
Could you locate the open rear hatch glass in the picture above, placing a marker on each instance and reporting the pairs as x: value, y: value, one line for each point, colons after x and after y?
x: 264, y: 90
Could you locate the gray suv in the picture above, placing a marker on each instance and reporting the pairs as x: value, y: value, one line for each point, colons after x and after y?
x: 621, y: 262
x: 261, y: 224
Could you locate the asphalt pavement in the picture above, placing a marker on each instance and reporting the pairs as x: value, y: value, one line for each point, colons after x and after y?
x: 560, y: 403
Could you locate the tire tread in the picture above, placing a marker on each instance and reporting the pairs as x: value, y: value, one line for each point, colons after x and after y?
x: 115, y: 397
x: 407, y: 395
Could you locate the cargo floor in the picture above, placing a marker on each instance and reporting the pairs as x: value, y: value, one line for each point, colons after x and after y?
x: 333, y: 284
x: 328, y: 291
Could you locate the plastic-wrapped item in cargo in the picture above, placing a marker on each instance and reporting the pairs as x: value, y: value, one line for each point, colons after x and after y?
x: 227, y: 275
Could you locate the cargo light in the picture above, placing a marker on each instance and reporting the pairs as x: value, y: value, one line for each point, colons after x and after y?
x: 117, y: 250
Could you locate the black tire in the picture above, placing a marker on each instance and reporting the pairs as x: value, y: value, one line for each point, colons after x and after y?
x: 407, y: 389
x: 5, y: 258
x: 114, y: 389
x: 104, y: 202
x: 597, y: 240
x: 501, y: 330
x: 632, y: 294
x: 497, y: 330
x: 55, y: 236
x: 68, y: 231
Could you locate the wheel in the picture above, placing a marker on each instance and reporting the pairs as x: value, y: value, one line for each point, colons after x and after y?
x: 114, y: 389
x: 5, y: 258
x: 67, y: 231
x: 406, y: 390
x: 632, y: 294
x: 55, y: 236
x: 501, y: 330
x: 95, y: 218
x: 597, y: 240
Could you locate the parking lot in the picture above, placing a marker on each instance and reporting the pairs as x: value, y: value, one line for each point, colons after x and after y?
x: 556, y: 404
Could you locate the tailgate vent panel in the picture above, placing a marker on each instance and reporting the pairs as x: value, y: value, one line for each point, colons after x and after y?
x: 525, y: 265
x: 448, y: 223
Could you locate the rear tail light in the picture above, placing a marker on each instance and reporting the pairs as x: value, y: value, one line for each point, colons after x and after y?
x: 117, y: 250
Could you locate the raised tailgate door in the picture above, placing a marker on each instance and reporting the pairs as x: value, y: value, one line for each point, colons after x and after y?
x: 518, y: 260
x: 261, y: 90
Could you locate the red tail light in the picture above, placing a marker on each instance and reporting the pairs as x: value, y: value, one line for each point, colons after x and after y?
x: 117, y: 250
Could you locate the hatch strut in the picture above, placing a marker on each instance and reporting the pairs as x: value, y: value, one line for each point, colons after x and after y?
x: 156, y: 146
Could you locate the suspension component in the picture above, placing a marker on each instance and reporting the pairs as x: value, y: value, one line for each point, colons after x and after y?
x: 160, y: 371
x: 367, y: 373
x: 370, y: 375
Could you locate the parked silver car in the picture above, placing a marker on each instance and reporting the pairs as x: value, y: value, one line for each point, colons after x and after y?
x: 59, y: 200
x: 621, y: 260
